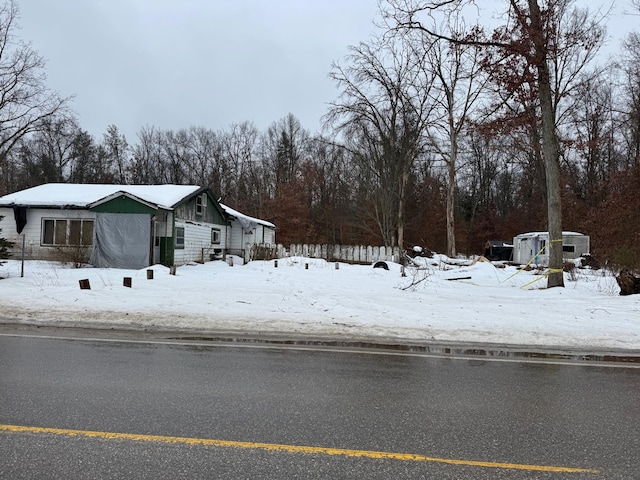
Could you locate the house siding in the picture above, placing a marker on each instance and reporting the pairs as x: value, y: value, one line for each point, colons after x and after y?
x: 123, y: 204
x: 239, y: 239
x: 268, y: 235
x: 197, y: 236
x: 210, y: 213
x: 197, y: 241
x: 32, y: 231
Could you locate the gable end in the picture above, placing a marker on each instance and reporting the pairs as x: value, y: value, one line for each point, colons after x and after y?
x: 123, y: 204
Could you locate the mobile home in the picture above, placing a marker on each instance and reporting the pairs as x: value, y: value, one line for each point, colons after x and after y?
x: 532, y: 247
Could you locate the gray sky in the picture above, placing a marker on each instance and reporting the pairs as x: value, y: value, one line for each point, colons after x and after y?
x: 177, y: 63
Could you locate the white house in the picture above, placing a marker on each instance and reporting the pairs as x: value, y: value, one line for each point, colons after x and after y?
x: 533, y: 247
x: 118, y: 226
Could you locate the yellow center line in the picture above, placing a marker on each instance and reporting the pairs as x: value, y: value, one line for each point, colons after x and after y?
x: 286, y: 448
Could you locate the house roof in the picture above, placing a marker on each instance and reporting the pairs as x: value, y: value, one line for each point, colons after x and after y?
x: 74, y: 195
x: 245, y: 220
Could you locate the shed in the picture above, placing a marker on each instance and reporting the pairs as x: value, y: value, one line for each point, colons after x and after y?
x: 532, y: 247
x: 497, y: 250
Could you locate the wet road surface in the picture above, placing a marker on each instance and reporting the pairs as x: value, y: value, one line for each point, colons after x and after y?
x: 81, y: 408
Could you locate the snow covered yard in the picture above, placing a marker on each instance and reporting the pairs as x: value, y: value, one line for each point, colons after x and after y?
x: 494, y: 305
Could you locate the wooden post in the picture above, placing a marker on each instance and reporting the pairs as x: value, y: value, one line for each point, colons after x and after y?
x: 126, y: 281
x: 337, y: 266
x: 22, y: 266
x: 306, y: 266
x: 172, y: 270
x: 275, y: 263
x: 230, y: 261
x: 84, y: 284
x: 149, y: 274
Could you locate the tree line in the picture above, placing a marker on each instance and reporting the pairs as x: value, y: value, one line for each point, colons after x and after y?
x: 443, y: 134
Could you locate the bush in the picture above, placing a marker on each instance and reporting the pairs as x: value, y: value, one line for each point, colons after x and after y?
x: 5, y: 245
x: 76, y: 257
x: 589, y: 261
x: 570, y: 268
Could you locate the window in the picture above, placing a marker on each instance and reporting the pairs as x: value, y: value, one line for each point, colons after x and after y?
x: 180, y: 238
x: 80, y: 232
x: 569, y: 248
x: 215, y: 235
x: 48, y: 229
x: 74, y: 233
x: 201, y: 204
x: 543, y: 246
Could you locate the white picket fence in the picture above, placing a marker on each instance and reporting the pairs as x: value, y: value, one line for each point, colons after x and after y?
x: 331, y: 253
x: 346, y: 253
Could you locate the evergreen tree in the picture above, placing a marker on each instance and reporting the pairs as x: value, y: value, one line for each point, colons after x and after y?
x: 4, y: 245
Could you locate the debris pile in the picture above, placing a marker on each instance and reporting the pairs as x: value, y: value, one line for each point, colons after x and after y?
x: 629, y: 283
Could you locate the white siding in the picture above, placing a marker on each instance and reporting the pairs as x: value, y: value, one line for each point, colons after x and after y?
x: 526, y: 247
x: 32, y: 231
x: 269, y: 236
x: 239, y: 239
x: 197, y: 242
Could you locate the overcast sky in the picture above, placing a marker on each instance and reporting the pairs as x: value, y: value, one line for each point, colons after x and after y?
x: 177, y: 63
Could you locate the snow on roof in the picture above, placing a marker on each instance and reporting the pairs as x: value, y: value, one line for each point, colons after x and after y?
x: 81, y: 195
x: 246, y: 218
x: 542, y: 234
x: 500, y: 243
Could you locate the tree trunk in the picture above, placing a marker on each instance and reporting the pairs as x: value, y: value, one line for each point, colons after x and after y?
x: 550, y: 149
x: 451, y: 221
x: 404, y: 180
x: 451, y: 190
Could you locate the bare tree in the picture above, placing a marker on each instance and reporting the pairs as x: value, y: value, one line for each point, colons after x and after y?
x: 117, y: 149
x: 176, y: 156
x: 240, y: 151
x: 381, y: 114
x: 283, y: 148
x: 147, y: 161
x: 84, y: 168
x: 48, y: 154
x: 25, y: 101
x: 328, y: 179
x: 205, y: 160
x: 459, y: 83
x: 532, y: 35
x: 592, y: 153
x: 630, y: 101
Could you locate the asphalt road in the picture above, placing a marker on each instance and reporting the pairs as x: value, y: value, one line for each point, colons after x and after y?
x: 78, y: 408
